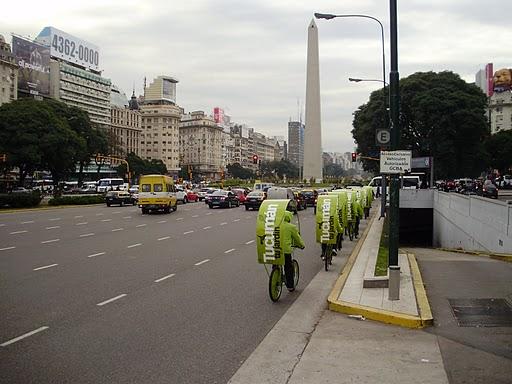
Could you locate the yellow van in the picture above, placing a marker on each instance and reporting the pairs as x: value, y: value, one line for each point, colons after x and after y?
x: 157, y: 192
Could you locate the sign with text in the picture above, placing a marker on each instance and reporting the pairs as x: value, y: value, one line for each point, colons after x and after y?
x: 395, y: 161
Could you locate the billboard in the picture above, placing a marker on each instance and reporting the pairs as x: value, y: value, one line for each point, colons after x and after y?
x: 489, y: 74
x: 218, y: 115
x: 34, y: 66
x: 70, y: 48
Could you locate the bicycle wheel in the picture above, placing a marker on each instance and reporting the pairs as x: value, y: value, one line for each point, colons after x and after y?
x: 351, y: 231
x: 295, y: 273
x: 327, y: 257
x: 275, y: 283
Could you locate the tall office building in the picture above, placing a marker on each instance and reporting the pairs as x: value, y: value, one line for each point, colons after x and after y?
x: 160, y: 123
x: 8, y: 73
x: 296, y: 143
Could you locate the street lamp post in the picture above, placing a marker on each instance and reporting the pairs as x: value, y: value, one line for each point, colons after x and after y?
x: 386, y: 117
x: 329, y: 16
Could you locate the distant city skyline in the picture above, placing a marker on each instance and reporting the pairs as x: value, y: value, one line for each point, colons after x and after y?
x: 251, y: 60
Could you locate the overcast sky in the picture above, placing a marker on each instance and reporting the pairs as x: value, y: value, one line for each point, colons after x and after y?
x: 249, y: 57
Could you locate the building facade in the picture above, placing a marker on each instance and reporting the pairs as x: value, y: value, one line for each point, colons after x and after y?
x: 201, y: 145
x: 8, y: 73
x: 126, y: 124
x: 296, y: 143
x: 84, y: 89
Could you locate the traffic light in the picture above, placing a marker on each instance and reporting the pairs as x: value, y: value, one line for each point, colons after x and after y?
x: 354, y: 157
x: 255, y: 159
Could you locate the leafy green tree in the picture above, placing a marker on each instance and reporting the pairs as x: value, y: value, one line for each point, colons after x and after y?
x: 140, y: 166
x: 239, y: 172
x: 499, y: 148
x: 440, y: 115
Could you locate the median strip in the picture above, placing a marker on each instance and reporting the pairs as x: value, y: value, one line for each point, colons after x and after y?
x: 202, y: 262
x: 12, y: 341
x: 46, y: 266
x: 111, y: 300
x: 164, y: 278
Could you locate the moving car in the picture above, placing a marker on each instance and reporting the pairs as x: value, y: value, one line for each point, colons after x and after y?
x: 254, y: 199
x: 223, y: 198
x: 208, y: 195
x: 487, y: 189
x: 240, y: 193
x: 283, y: 193
x: 157, y: 192
x: 310, y: 196
x: 192, y: 196
x: 119, y: 197
x: 301, y: 200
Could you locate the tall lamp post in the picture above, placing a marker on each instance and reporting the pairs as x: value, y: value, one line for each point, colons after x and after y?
x: 329, y: 16
x: 386, y: 117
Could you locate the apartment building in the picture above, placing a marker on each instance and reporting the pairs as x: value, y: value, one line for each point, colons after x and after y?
x: 201, y: 145
x: 8, y: 73
x: 126, y: 123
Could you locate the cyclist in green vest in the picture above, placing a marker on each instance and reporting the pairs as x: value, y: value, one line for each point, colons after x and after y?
x: 290, y: 237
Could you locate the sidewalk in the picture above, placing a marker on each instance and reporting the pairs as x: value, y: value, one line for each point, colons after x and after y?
x: 311, y: 344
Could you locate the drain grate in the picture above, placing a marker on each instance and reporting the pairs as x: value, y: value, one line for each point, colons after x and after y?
x: 482, y: 312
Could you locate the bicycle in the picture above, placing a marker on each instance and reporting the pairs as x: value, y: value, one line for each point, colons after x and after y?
x: 351, y: 229
x: 277, y: 279
x: 327, y: 253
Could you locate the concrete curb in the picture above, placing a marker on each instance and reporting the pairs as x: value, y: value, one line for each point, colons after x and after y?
x: 389, y: 317
x: 498, y: 256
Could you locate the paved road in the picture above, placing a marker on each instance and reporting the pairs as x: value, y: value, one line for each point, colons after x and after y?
x: 107, y: 295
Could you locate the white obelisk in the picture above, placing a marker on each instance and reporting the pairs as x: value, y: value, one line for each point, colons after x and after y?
x: 313, y: 130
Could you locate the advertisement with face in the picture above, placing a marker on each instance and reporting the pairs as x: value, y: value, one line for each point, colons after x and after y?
x: 34, y: 66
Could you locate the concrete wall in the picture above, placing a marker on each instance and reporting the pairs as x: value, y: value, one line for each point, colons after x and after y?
x: 416, y: 198
x: 471, y: 223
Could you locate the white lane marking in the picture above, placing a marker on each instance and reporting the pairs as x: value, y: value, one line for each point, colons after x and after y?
x: 44, y: 267
x: 250, y: 242
x: 164, y: 238
x: 161, y: 221
x: 16, y: 232
x: 127, y: 217
x: 82, y: 223
x: 27, y: 222
x: 111, y: 300
x: 49, y: 241
x: 140, y: 225
x: 2, y: 225
x: 57, y: 226
x: 117, y: 229
x: 179, y: 218
x: 234, y: 221
x: 79, y: 216
x: 223, y: 223
x: 207, y: 227
x: 24, y: 336
x: 96, y: 254
x: 134, y: 245
x: 105, y: 220
x: 87, y: 234
x: 229, y: 250
x: 6, y: 248
x: 209, y: 213
x: 164, y: 278
x: 186, y: 233
x: 116, y: 212
x: 54, y: 219
x: 202, y: 262
x: 99, y: 214
x: 195, y: 215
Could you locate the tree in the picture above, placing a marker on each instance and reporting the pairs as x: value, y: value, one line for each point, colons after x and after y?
x: 499, y: 148
x: 440, y: 115
x: 334, y: 171
x: 239, y: 172
x: 139, y: 166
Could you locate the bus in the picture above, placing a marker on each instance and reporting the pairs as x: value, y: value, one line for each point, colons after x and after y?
x: 259, y: 186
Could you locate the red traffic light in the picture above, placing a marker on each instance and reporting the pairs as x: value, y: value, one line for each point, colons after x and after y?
x: 354, y: 157
x: 255, y: 159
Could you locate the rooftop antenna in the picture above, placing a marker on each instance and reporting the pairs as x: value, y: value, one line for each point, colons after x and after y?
x: 144, y: 87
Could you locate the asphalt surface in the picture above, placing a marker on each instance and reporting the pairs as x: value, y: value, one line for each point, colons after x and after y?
x: 107, y: 295
x: 471, y: 354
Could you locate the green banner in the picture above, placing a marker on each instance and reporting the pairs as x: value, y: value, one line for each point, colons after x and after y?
x: 268, y: 231
x: 326, y: 214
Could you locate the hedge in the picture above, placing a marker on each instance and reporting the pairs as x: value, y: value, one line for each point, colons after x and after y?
x: 77, y: 200
x: 20, y: 200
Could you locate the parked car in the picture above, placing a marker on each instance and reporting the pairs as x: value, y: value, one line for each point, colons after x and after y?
x: 192, y: 196
x: 119, y: 197
x: 254, y: 199
x: 487, y: 189
x: 240, y: 193
x: 221, y: 198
